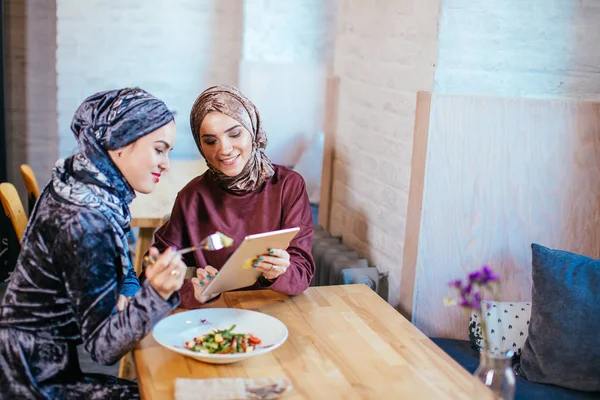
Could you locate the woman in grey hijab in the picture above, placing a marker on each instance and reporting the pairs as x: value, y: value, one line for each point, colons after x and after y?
x: 74, y: 277
x: 242, y: 193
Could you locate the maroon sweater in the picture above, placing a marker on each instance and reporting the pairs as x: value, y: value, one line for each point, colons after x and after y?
x: 202, y: 207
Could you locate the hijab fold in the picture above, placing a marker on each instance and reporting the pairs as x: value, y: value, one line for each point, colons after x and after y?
x: 106, y: 121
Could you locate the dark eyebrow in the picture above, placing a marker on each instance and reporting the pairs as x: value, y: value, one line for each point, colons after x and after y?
x: 164, y: 142
x: 233, y: 127
x: 228, y: 130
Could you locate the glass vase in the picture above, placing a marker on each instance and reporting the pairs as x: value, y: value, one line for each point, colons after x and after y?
x: 495, y: 371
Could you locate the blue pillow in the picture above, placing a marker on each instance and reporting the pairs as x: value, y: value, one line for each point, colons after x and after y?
x: 563, y: 346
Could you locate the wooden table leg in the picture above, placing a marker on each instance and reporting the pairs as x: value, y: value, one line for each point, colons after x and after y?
x: 127, y: 367
x: 144, y: 242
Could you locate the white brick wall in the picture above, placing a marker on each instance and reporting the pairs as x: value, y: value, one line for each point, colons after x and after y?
x: 173, y: 49
x: 290, y: 31
x: 536, y: 48
x: 287, y: 54
x: 30, y: 89
x: 385, y: 52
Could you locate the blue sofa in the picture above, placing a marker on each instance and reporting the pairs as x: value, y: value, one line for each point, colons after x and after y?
x: 462, y: 352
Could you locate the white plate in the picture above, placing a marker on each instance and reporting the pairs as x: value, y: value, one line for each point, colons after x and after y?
x: 173, y: 331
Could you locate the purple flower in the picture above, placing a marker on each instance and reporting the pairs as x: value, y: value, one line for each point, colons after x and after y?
x: 471, y: 292
x: 489, y: 275
x: 475, y: 276
x: 467, y: 289
x: 455, y: 284
x: 464, y: 303
x: 470, y: 303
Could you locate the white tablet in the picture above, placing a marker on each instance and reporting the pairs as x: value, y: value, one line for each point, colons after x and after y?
x: 237, y: 271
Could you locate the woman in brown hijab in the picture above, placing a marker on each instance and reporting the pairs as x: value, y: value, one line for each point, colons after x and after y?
x: 242, y: 193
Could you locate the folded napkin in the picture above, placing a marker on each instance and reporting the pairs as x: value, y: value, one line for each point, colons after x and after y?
x: 230, y: 388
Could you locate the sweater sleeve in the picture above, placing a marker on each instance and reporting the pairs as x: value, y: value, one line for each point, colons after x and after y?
x: 296, y: 212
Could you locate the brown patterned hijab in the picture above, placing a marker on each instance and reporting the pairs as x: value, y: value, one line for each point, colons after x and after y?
x: 230, y: 101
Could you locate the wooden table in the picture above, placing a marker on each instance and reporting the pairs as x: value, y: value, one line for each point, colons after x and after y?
x: 344, y: 342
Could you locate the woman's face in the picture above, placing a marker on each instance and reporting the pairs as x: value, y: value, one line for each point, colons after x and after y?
x: 143, y: 161
x: 226, y: 144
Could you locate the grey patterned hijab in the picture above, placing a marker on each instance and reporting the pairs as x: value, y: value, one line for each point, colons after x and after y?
x: 106, y: 121
x: 230, y: 101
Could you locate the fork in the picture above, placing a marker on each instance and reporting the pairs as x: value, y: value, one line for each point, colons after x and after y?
x: 215, y: 241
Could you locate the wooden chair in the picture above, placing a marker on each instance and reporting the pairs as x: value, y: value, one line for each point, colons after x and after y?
x: 31, y: 184
x: 13, y: 207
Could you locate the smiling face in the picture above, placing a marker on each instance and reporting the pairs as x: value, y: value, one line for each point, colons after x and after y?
x: 143, y: 161
x: 226, y: 144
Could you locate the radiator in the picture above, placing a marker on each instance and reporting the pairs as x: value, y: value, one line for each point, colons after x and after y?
x: 338, y: 264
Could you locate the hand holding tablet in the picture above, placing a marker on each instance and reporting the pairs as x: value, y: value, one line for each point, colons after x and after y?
x: 239, y: 271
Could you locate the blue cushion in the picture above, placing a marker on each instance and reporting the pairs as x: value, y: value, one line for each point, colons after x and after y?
x: 563, y: 346
x: 463, y: 353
